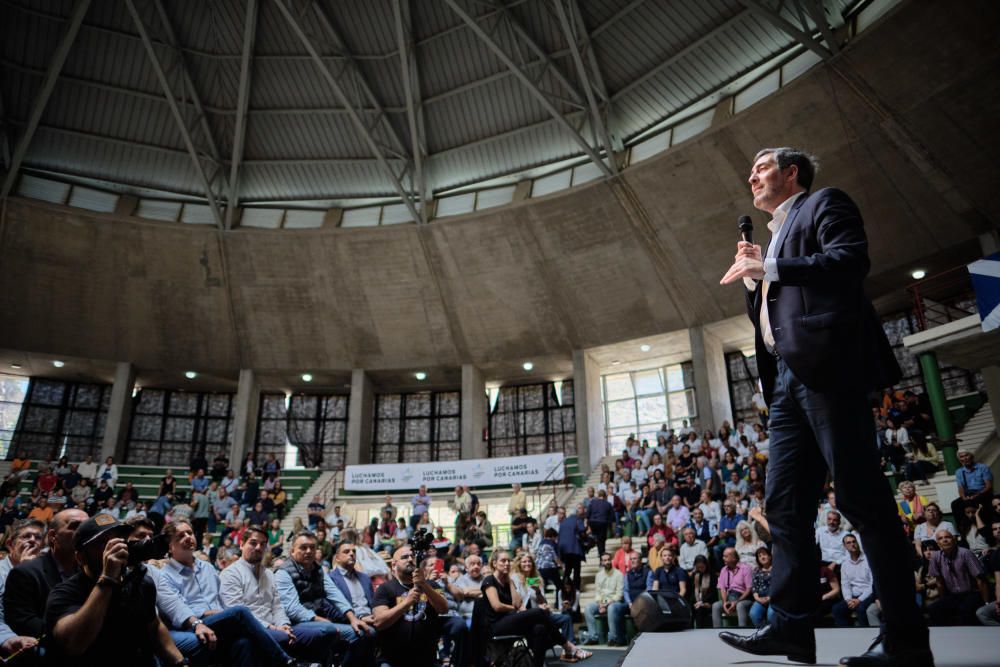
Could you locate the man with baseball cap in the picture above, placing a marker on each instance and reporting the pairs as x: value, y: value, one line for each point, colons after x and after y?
x: 106, y: 612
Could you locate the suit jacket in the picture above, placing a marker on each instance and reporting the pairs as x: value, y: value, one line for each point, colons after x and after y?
x: 28, y: 587
x: 824, y: 326
x: 366, y: 584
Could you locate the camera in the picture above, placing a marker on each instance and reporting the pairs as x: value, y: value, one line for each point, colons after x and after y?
x: 151, y: 548
x: 420, y: 542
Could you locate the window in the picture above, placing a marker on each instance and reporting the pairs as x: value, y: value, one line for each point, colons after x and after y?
x: 417, y: 427
x: 742, y: 374
x: 317, y: 426
x: 169, y: 427
x: 13, y: 391
x: 639, y: 402
x: 272, y: 427
x: 61, y: 419
x: 533, y: 419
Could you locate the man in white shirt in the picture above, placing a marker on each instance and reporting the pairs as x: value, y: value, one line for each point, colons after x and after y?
x: 691, y: 548
x: 831, y: 539
x: 554, y: 520
x: 855, y: 586
x: 247, y: 582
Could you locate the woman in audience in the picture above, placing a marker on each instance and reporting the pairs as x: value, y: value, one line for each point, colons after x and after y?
x: 747, y: 543
x: 62, y: 468
x: 926, y: 531
x: 168, y: 484
x: 80, y: 495
x: 568, y: 602
x: 911, y: 507
x: 761, y: 608
x: 280, y: 499
x: 425, y: 522
x: 755, y: 474
x: 971, y: 527
x: 257, y: 515
x: 275, y: 537
x: 272, y: 468
x: 504, y: 615
x: 921, y: 461
x: 249, y: 466
x: 646, y: 509
x: 108, y: 471
x: 703, y: 593
x: 530, y: 586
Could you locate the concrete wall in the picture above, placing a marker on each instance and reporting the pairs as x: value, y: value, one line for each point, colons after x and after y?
x: 909, y: 132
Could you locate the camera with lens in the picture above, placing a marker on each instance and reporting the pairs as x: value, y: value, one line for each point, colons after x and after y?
x: 420, y: 541
x: 151, y: 548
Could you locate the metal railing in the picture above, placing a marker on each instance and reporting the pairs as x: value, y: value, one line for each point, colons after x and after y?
x: 942, y: 298
x: 552, y: 481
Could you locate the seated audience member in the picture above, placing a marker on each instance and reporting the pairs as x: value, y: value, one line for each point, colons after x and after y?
x: 669, y: 576
x: 969, y: 525
x: 691, y: 548
x: 21, y: 465
x: 959, y: 580
x: 761, y: 608
x: 41, y: 512
x: 831, y: 539
x: 660, y: 528
x: 29, y: 584
x: 553, y: 521
x: 80, y: 496
x: 25, y: 544
x: 504, y: 615
x: 316, y: 511
x: 108, y: 471
x: 189, y: 601
x: 316, y: 606
x: 610, y: 585
x: 105, y: 614
x: 355, y: 585
x: 829, y: 590
x: 705, y: 529
x: 407, y: 610
x: 703, y: 592
x: 246, y: 582
x: 168, y: 484
x: 927, y: 531
x: 528, y: 585
x: 633, y: 586
x: 568, y: 601
x: 910, y: 506
x: 727, y: 529
x: 199, y: 482
x: 735, y: 588
x: 921, y: 461
x: 678, y: 515
x: 856, y: 586
x: 974, y: 481
x: 620, y: 561
x: 747, y: 543
x: 467, y: 588
x: 989, y: 613
x: 46, y: 481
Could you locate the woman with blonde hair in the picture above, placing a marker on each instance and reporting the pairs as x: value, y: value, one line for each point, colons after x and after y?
x: 531, y: 587
x: 747, y: 543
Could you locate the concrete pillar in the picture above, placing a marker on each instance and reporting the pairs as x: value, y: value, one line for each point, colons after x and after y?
x: 939, y: 408
x: 244, y: 418
x: 711, y: 383
x: 591, y: 444
x: 119, y: 413
x: 473, y: 413
x: 360, y: 419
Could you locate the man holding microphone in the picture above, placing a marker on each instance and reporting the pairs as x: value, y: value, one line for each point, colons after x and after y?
x: 820, y: 350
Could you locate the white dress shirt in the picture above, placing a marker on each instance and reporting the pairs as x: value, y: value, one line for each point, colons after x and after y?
x: 240, y: 585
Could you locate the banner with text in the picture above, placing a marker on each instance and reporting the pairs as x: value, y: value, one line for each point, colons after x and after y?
x: 444, y: 474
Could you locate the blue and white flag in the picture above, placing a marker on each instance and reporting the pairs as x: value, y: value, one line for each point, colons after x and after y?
x: 985, y: 275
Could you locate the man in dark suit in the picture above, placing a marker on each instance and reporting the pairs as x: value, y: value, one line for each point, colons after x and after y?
x: 357, y: 588
x: 820, y: 350
x: 29, y: 584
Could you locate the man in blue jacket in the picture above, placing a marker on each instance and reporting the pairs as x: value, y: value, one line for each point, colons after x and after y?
x: 571, y: 530
x: 359, y: 593
x: 820, y: 350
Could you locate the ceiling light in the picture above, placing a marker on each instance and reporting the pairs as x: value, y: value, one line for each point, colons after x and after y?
x: 58, y: 364
x: 527, y: 365
x: 190, y: 375
x: 16, y: 367
x: 616, y: 363
x: 918, y: 274
x: 645, y: 347
x: 307, y: 377
x: 420, y: 375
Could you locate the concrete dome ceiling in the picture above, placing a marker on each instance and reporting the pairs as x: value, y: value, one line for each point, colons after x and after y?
x: 333, y: 103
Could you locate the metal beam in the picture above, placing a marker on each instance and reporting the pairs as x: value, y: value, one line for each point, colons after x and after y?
x: 51, y: 76
x: 595, y: 114
x: 818, y: 14
x: 779, y: 22
x: 176, y: 111
x: 355, y: 116
x: 243, y: 101
x: 532, y: 88
x: 411, y: 88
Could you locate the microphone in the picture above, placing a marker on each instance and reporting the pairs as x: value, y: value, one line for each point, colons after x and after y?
x: 746, y: 228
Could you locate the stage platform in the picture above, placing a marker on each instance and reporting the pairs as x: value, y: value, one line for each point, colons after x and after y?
x: 953, y: 647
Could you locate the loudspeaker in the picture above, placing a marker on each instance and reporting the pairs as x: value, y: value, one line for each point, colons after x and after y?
x: 660, y: 611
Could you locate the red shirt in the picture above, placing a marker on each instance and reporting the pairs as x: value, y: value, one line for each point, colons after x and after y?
x: 669, y: 536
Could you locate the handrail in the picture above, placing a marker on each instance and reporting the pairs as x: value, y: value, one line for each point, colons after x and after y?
x: 942, y: 298
x: 541, y: 485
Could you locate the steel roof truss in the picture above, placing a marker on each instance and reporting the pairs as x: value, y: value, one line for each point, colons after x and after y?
x: 243, y: 101
x: 411, y: 88
x: 774, y: 17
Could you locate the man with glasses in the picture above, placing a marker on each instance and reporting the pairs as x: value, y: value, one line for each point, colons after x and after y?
x: 24, y: 544
x: 855, y: 585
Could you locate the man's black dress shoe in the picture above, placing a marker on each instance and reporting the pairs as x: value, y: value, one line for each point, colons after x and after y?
x: 771, y: 641
x: 884, y: 653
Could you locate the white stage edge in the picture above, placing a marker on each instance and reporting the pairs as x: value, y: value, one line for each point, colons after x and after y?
x: 953, y: 647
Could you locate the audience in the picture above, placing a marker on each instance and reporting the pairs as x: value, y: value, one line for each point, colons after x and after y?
x: 856, y: 585
x: 609, y: 589
x: 960, y: 582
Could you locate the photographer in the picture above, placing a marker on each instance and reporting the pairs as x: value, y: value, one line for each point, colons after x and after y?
x: 407, y: 611
x: 106, y: 612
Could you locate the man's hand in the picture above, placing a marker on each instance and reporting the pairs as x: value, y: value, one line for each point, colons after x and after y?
x: 287, y: 629
x: 359, y: 626
x: 115, y: 558
x: 602, y: 608
x: 18, y: 644
x: 35, y: 548
x: 727, y: 607
x: 853, y: 603
x: 413, y: 597
x: 748, y: 263
x: 205, y: 635
x: 418, y: 576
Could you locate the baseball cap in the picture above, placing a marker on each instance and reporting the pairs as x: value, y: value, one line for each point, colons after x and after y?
x: 96, y: 527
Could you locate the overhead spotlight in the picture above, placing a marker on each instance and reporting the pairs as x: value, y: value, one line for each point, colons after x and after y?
x: 58, y: 364
x: 645, y: 347
x: 16, y: 367
x: 527, y: 365
x: 190, y: 375
x: 307, y: 377
x: 919, y: 274
x: 420, y: 375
